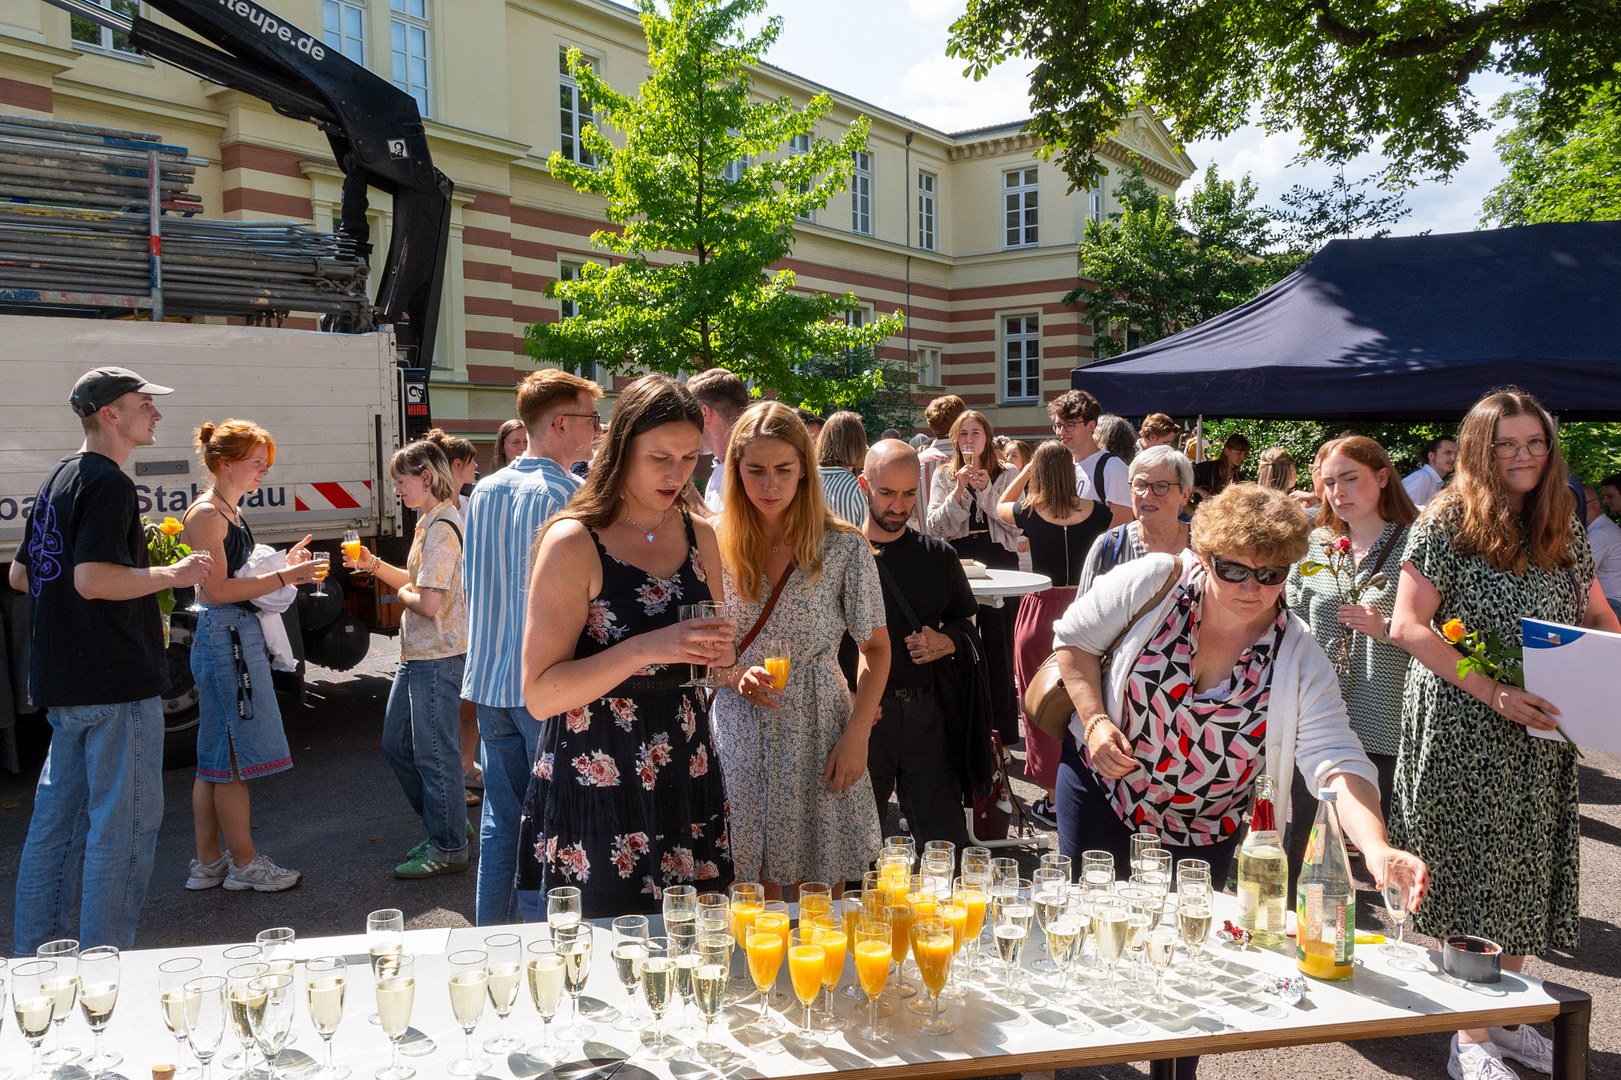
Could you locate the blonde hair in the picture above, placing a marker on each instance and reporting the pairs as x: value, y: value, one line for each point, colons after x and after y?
x: 232, y: 441
x: 1276, y: 470
x: 741, y: 529
x: 989, y: 460
x: 1249, y: 517
x: 1050, y: 488
x: 455, y: 447
x: 421, y: 456
x: 843, y: 441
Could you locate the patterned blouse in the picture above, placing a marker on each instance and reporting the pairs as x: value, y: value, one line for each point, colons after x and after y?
x: 1199, y: 753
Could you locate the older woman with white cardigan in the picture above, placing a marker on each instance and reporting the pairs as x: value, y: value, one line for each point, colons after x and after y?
x: 1212, y: 680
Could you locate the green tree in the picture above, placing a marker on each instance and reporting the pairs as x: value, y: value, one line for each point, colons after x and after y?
x: 889, y: 405
x: 1311, y: 217
x: 1162, y: 264
x: 1347, y: 77
x: 1569, y: 176
x: 702, y: 202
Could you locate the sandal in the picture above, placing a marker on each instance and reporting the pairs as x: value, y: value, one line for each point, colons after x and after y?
x: 474, y: 798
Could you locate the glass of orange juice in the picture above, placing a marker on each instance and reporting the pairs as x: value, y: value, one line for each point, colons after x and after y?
x: 874, y: 947
x: 352, y: 547
x: 932, y: 948
x: 835, y: 942
x: 766, y: 945
x: 806, y: 959
x: 901, y: 917
x: 776, y: 661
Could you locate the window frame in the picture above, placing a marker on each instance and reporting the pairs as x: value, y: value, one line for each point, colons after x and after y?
x: 1021, y: 198
x: 1028, y: 335
x: 928, y: 210
x: 106, y: 39
x: 575, y: 110
x: 569, y: 270
x: 861, y: 192
x: 341, y: 6
x: 407, y: 21
x: 1094, y: 204
x: 801, y: 144
x: 929, y: 363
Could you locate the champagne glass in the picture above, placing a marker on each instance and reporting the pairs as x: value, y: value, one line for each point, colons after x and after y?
x: 574, y: 946
x: 957, y: 915
x: 714, y: 914
x: 1003, y: 869
x: 932, y: 948
x: 396, y: 994
x: 658, y: 986
x: 272, y: 1021
x: 323, y: 566
x: 1140, y: 843
x: 65, y: 993
x: 806, y: 959
x: 777, y: 656
x: 205, y: 1014
x: 709, y: 984
x: 33, y: 1002
x: 1048, y: 885
x: 976, y: 860
x: 506, y: 971
x: 173, y: 975
x: 1110, y: 929
x: 1097, y: 870
x: 469, y: 988
x: 901, y: 917
x: 326, y: 980
x: 277, y: 947
x: 351, y: 548
x: 5, y: 1071
x: 874, y: 950
x: 855, y: 905
x: 545, y: 971
x: 681, y: 927
x: 1400, y: 883
x: 630, y: 956
x: 835, y: 943
x: 1053, y: 860
x: 1161, y: 948
x: 1154, y: 871
x: 1013, y: 913
x: 1193, y: 916
x: 385, y: 941
x: 243, y: 1000
x: 706, y: 609
x: 1066, y: 936
x: 564, y: 907
x: 1191, y: 869
x: 98, y: 993
x: 773, y: 918
x: 1144, y: 905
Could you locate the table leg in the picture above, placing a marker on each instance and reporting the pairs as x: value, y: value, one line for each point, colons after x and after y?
x: 1570, y: 1031
x: 1162, y: 1069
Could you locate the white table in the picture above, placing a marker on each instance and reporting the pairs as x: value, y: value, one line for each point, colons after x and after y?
x: 991, y: 1038
x: 997, y: 585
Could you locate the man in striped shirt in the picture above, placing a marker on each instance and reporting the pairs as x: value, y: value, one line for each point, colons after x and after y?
x: 507, y: 508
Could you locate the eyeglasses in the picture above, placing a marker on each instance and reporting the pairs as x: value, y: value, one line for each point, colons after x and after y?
x: 596, y: 421
x: 1158, y: 487
x: 1236, y: 572
x: 1508, y: 449
x: 1064, y: 427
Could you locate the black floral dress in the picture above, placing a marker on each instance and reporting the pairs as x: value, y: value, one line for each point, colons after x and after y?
x: 626, y: 795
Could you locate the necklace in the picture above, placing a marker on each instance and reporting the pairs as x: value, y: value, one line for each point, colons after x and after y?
x: 228, y: 510
x: 648, y: 533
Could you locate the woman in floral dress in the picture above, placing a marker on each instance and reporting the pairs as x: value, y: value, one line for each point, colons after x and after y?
x: 796, y: 758
x: 626, y: 797
x: 1494, y: 811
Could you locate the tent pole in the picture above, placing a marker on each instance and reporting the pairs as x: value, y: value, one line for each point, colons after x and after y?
x: 1198, y: 437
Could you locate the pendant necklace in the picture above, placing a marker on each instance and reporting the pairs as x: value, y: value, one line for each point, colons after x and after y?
x: 648, y: 533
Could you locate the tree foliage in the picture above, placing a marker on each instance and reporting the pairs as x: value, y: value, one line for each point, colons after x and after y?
x: 1161, y: 264
x: 1569, y: 176
x: 888, y: 405
x: 702, y: 201
x: 1391, y: 75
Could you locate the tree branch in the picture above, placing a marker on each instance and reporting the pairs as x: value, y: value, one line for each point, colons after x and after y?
x: 1497, y: 16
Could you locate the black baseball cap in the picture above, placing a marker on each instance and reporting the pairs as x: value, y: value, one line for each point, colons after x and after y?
x: 106, y: 385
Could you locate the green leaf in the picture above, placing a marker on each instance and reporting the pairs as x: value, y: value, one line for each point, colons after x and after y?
x: 1308, y: 568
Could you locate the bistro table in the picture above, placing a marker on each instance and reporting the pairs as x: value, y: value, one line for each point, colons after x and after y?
x: 1379, y: 1001
x: 997, y: 585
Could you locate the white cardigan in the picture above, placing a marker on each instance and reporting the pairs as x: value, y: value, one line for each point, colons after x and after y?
x: 948, y: 513
x: 1306, y: 726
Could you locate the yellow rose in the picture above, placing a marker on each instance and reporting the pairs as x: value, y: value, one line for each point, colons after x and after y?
x: 171, y: 527
x: 1453, y: 630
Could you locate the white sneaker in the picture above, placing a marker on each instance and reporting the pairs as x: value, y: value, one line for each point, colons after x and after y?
x: 1526, y: 1045
x: 260, y: 875
x: 208, y: 875
x: 1478, y: 1061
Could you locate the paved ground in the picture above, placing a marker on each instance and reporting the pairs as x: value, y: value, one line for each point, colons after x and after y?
x: 340, y: 819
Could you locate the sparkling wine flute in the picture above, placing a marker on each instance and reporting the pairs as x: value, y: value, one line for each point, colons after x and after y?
x: 469, y: 991
x: 874, y: 946
x: 574, y: 946
x: 506, y: 972
x: 65, y: 994
x: 173, y: 975
x: 396, y: 995
x: 630, y: 934
x: 98, y: 993
x: 205, y: 1018
x: 243, y: 999
x: 326, y: 983
x: 658, y: 989
x: 544, y: 969
x: 33, y: 1001
x: 385, y: 941
x: 272, y: 1021
x: 323, y: 566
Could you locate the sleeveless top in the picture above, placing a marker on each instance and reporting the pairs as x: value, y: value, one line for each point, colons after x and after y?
x: 1059, y: 551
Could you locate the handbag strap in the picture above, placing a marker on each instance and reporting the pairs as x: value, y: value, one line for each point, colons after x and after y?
x: 765, y: 612
x: 1153, y: 602
x: 887, y: 581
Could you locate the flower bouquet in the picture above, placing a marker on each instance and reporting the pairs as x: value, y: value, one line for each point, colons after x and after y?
x: 163, y: 549
x: 1343, y: 568
x: 1492, y: 657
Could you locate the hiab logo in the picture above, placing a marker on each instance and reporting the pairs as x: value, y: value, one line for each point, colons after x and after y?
x: 397, y: 150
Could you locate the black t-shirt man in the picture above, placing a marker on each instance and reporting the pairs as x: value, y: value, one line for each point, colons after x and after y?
x: 929, y: 573
x: 89, y: 652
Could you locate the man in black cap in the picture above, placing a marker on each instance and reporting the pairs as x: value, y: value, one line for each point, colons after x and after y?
x: 97, y: 666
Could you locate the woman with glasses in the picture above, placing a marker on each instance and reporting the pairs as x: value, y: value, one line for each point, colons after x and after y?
x: 1161, y: 481
x: 1211, y: 680
x: 1494, y: 809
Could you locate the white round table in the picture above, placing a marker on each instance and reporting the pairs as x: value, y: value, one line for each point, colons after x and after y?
x: 997, y: 585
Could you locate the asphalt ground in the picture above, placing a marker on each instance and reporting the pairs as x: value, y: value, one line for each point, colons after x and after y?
x: 339, y: 817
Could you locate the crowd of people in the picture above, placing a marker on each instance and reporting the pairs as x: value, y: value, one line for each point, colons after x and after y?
x: 671, y: 685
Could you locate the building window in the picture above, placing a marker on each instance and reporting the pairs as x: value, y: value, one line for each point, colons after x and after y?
x: 408, y: 35
x: 801, y: 144
x: 1094, y: 205
x: 343, y: 28
x: 1021, y: 358
x: 928, y: 186
x: 735, y: 169
x: 1019, y: 207
x: 928, y: 366
x: 88, y: 33
x: 567, y: 309
x: 861, y: 193
x: 572, y: 111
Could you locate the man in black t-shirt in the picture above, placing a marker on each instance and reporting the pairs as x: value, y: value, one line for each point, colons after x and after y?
x: 97, y: 667
x: 909, y: 748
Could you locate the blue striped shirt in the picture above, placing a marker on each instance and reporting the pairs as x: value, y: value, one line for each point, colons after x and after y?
x: 501, y: 517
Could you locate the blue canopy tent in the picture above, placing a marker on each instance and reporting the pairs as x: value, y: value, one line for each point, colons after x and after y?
x: 1399, y: 328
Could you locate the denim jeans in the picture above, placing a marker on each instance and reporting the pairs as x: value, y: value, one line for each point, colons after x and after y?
x: 508, y: 738
x: 420, y: 725
x: 94, y: 832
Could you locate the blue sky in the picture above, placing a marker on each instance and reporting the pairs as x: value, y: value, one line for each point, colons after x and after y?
x: 892, y: 53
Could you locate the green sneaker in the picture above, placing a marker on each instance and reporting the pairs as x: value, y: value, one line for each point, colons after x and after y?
x: 422, y: 846
x: 425, y: 866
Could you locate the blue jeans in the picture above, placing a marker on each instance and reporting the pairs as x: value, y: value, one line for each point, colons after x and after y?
x: 420, y: 742
x: 94, y: 833
x: 508, y: 738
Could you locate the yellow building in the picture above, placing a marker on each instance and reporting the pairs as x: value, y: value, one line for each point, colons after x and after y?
x: 968, y: 233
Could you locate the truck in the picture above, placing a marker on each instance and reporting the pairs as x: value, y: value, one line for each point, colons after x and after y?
x: 337, y: 402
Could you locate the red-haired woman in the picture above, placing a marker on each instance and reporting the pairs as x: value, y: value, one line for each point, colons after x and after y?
x: 1493, y: 810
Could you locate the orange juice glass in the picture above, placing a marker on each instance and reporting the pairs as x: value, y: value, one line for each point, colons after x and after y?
x: 873, y: 952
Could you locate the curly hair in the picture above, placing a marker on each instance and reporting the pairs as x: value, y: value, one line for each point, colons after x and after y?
x: 232, y: 441
x: 1250, y: 518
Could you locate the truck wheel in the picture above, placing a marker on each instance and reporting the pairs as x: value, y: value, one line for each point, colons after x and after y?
x: 180, y: 700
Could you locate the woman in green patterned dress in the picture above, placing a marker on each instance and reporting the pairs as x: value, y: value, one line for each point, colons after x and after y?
x: 1492, y: 810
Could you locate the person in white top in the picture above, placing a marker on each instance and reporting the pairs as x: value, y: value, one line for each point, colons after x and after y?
x: 940, y: 414
x: 1075, y: 420
x: 1426, y: 483
x: 722, y: 396
x: 1604, y: 535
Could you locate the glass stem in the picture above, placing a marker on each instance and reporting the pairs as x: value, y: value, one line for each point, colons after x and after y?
x: 872, y: 1014
x: 326, y: 1052
x: 934, y: 1009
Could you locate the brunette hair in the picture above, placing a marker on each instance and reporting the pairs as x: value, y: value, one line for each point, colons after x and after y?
x: 1027, y: 451
x: 507, y: 428
x: 1276, y: 470
x: 1157, y: 426
x: 1486, y: 528
x: 993, y: 464
x: 1074, y: 405
x: 424, y: 455
x: 1050, y: 485
x: 231, y: 441
x: 741, y: 529
x: 942, y: 412
x: 1249, y: 517
x: 843, y: 441
x: 542, y: 391
x: 455, y: 447
x: 1394, y: 502
x: 722, y: 391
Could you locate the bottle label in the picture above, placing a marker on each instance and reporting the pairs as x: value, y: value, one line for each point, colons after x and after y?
x: 1249, y: 898
x: 1313, y: 928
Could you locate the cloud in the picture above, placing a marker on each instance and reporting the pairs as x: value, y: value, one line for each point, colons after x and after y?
x: 935, y: 92
x: 940, y: 12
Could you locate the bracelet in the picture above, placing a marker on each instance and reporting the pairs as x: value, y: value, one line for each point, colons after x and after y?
x: 1091, y: 722
x: 281, y: 579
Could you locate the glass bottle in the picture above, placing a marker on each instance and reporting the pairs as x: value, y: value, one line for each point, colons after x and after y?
x: 1325, y: 903
x: 1263, y: 871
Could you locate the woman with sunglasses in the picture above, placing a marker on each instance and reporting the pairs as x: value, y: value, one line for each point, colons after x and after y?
x: 1495, y: 809
x: 1211, y: 680
x: 1161, y: 480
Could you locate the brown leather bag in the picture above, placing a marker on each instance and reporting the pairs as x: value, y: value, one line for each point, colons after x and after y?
x: 1046, y: 702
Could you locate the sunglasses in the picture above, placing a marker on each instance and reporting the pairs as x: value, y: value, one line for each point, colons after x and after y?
x: 1237, y: 572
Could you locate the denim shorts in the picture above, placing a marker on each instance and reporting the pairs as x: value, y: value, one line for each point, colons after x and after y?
x: 236, y: 699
